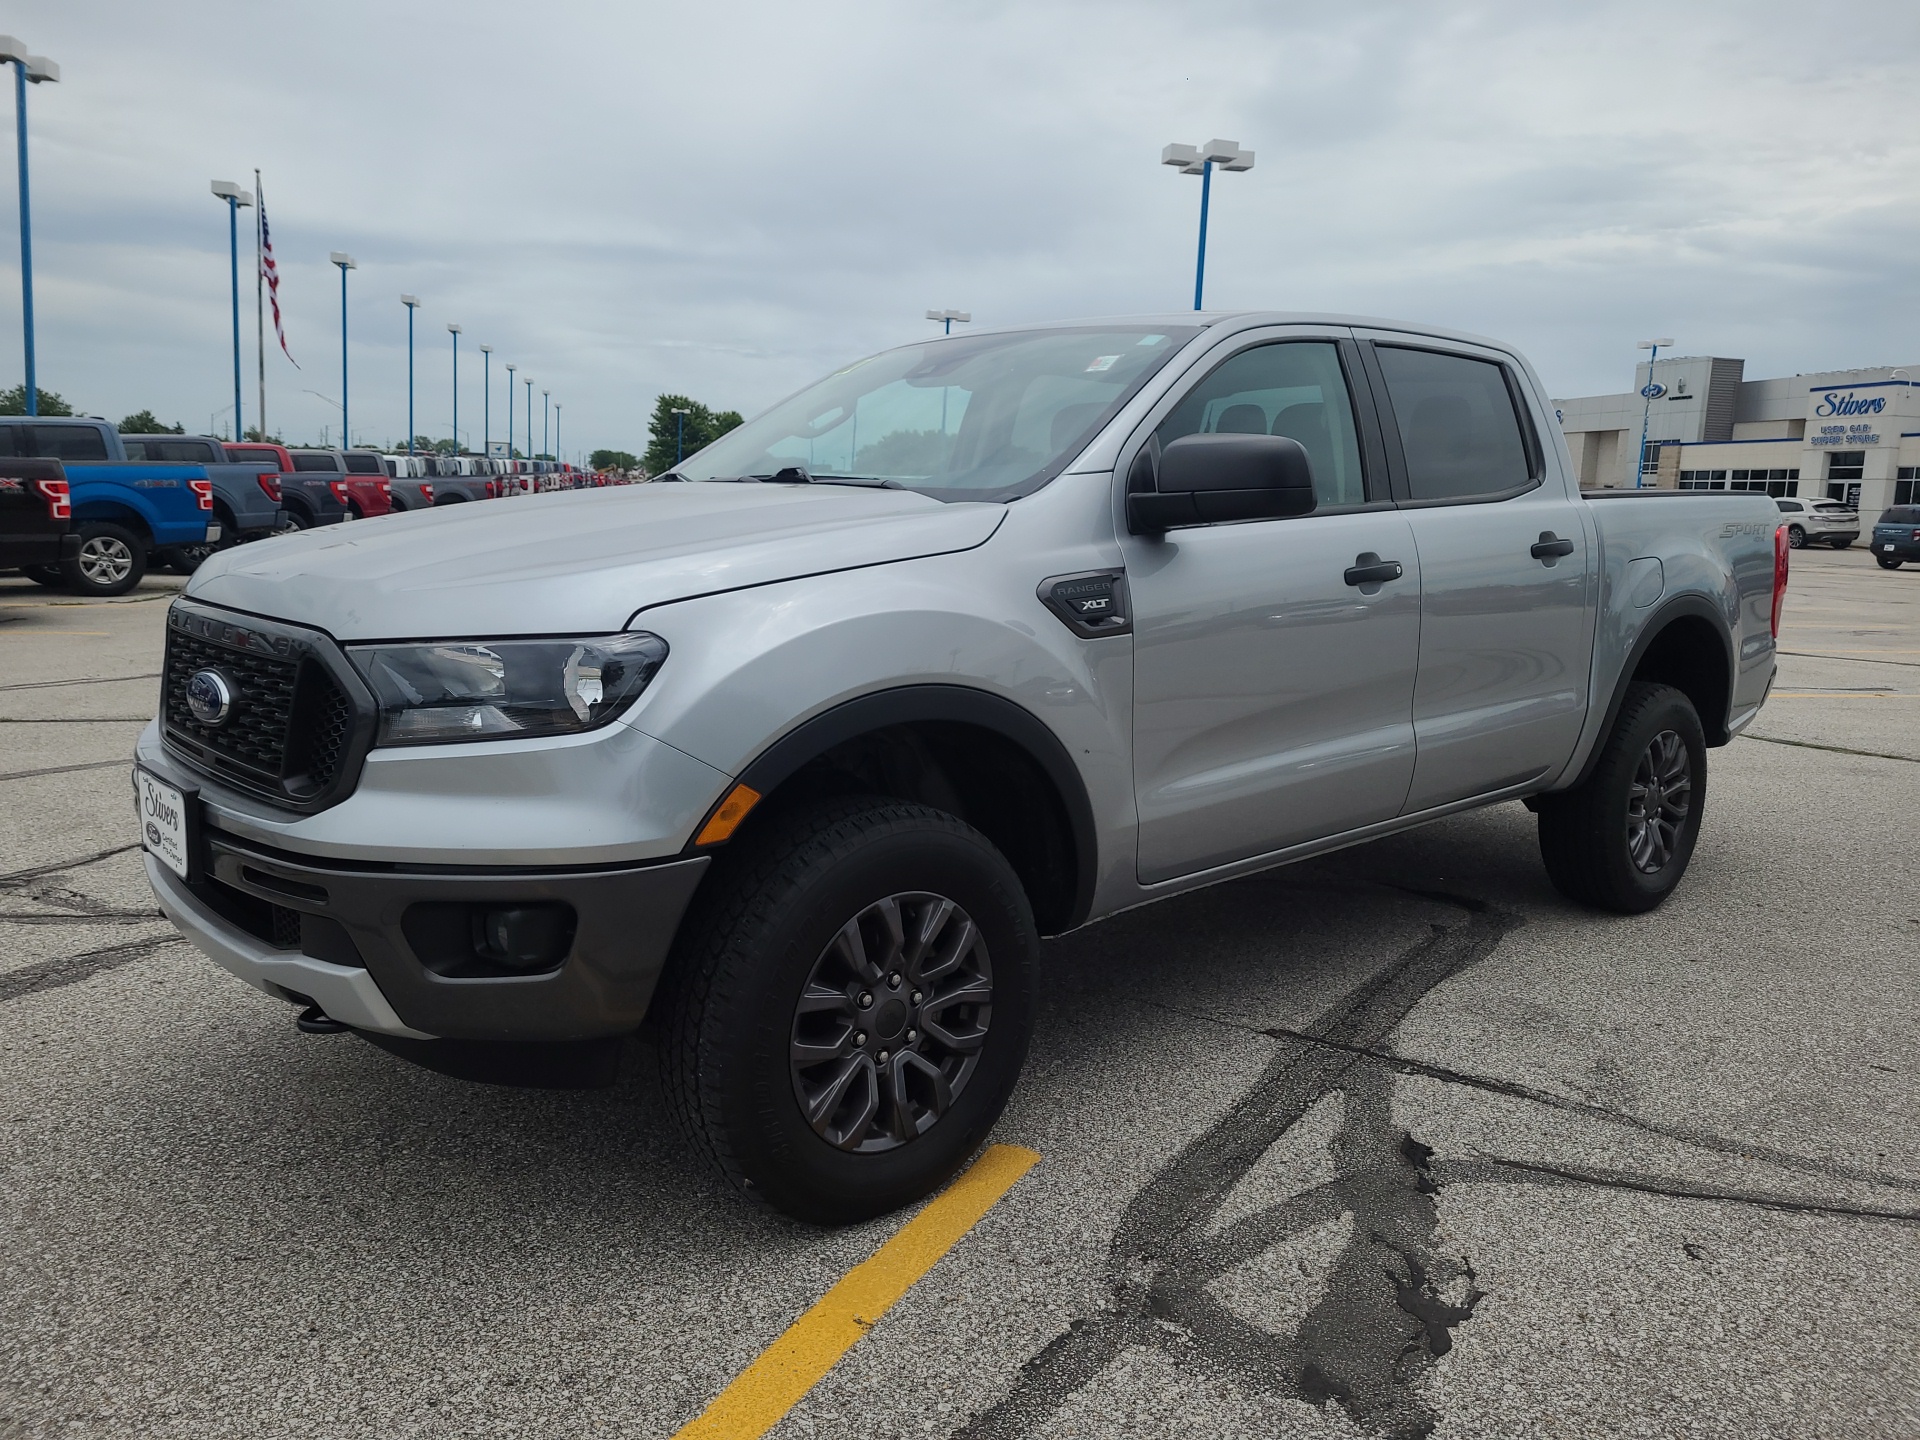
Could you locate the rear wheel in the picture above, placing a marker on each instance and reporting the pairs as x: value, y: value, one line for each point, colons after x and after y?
x: 111, y: 561
x: 292, y: 519
x: 1796, y: 537
x: 1622, y: 838
x: 1889, y: 562
x: 849, y: 1005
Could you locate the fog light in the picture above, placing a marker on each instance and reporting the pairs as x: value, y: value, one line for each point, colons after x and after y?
x: 523, y: 937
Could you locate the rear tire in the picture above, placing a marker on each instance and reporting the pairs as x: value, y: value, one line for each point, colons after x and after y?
x: 1622, y: 838
x: 763, y: 1006
x: 112, y: 560
x: 1889, y: 562
x: 1796, y: 537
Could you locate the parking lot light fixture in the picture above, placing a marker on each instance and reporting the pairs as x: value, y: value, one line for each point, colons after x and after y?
x: 486, y: 401
x: 346, y: 262
x: 235, y: 198
x: 412, y: 302
x: 1647, y: 393
x: 947, y: 317
x: 36, y: 69
x: 529, y: 380
x: 510, y: 370
x: 679, y: 436
x: 1200, y: 160
x: 454, y: 330
x: 556, y: 427
x: 546, y: 446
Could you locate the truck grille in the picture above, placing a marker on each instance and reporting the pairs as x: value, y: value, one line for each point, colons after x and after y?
x: 290, y: 732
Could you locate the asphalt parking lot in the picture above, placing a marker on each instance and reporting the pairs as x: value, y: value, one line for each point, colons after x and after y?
x: 1391, y: 1144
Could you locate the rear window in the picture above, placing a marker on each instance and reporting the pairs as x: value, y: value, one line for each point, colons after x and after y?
x: 310, y: 460
x: 1902, y: 515
x: 1458, y: 428
x: 365, y: 465
x: 174, y: 452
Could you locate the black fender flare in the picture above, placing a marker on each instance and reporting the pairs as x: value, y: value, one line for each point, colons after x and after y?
x: 954, y: 704
x: 1680, y: 607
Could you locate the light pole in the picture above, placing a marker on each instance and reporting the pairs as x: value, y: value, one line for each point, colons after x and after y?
x: 529, y: 380
x: 35, y: 68
x: 412, y: 302
x: 546, y: 446
x: 510, y: 370
x: 556, y: 427
x: 454, y: 330
x: 346, y: 262
x: 1647, y: 393
x: 1228, y: 155
x: 947, y: 317
x: 679, y: 436
x: 486, y: 401
x: 235, y: 198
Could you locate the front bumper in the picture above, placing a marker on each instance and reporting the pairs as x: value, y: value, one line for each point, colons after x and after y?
x: 385, y: 950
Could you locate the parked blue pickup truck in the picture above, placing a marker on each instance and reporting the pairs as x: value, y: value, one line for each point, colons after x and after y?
x: 123, y: 510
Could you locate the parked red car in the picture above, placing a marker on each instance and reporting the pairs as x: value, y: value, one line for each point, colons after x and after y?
x: 367, y: 483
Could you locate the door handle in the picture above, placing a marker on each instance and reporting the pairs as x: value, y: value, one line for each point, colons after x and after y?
x: 1550, y: 545
x: 1369, y: 569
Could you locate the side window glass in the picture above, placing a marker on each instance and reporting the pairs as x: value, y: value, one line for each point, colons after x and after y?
x: 69, y: 442
x: 1457, y: 424
x: 9, y: 439
x: 1292, y: 388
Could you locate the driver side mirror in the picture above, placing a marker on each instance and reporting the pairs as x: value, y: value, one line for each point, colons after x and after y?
x: 1211, y: 479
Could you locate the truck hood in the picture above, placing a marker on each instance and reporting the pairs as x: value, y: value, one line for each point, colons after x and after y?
x: 582, y: 561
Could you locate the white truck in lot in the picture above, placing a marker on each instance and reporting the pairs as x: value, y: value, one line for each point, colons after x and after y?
x: 793, y: 756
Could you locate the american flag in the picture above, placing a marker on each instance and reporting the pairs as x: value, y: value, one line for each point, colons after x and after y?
x: 272, y: 273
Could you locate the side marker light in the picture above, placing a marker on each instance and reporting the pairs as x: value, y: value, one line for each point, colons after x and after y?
x: 727, y: 818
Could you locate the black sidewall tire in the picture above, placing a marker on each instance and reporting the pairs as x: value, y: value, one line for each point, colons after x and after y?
x: 1583, y: 832
x: 763, y: 940
x: 76, y: 578
x: 1888, y: 562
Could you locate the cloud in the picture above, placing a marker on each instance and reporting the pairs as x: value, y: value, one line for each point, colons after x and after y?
x: 729, y: 199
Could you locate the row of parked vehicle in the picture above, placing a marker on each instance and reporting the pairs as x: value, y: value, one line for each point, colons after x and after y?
x: 87, y: 509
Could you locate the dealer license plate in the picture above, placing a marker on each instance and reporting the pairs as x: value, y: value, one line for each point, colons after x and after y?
x: 163, y: 821
x: 1887, y: 548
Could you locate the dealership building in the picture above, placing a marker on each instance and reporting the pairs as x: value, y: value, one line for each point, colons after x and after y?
x: 1843, y: 434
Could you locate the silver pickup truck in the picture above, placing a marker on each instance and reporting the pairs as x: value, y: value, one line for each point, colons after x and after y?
x: 793, y: 756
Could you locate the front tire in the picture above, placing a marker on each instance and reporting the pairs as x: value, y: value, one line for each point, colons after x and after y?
x: 848, y: 1006
x: 112, y: 560
x: 1622, y: 838
x: 1796, y: 537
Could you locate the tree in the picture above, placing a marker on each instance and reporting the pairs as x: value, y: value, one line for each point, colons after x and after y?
x: 14, y: 402
x: 703, y: 427
x: 254, y: 433
x: 614, y: 460
x: 145, y: 422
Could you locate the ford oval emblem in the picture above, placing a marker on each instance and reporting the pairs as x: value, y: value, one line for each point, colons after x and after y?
x: 209, y: 697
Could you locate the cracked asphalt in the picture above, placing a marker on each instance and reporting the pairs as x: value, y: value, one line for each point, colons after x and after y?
x: 1394, y: 1144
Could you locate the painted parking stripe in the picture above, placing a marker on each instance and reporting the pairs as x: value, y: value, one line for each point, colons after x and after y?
x: 787, y: 1369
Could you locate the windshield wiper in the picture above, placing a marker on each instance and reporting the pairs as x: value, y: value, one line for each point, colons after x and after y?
x: 801, y: 475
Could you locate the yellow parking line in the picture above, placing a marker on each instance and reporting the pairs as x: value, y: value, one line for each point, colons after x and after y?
x: 787, y: 1369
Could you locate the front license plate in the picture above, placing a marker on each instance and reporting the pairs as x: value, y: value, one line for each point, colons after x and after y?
x: 163, y: 819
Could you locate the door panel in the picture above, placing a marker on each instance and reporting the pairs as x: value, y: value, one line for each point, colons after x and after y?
x: 1273, y: 702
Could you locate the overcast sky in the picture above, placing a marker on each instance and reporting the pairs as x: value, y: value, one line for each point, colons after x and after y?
x: 730, y: 198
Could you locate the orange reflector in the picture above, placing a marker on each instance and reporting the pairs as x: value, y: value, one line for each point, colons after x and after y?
x: 727, y: 818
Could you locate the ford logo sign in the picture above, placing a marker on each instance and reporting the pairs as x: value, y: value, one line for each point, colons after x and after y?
x: 1653, y: 390
x: 209, y: 697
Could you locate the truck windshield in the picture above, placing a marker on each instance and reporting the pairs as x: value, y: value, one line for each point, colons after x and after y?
x: 986, y: 417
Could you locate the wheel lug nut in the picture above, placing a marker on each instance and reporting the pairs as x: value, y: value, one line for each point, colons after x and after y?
x: 883, y: 1057
x: 916, y: 997
x: 859, y: 1037
x: 912, y: 1035
x: 866, y: 1000
x: 893, y: 981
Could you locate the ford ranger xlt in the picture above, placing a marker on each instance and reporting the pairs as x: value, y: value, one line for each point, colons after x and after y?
x: 792, y: 756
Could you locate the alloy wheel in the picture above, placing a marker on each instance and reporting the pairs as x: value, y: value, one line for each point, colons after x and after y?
x: 1658, y: 801
x: 890, y: 1024
x: 105, y: 559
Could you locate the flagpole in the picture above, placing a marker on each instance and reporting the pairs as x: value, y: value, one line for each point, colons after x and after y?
x: 259, y: 305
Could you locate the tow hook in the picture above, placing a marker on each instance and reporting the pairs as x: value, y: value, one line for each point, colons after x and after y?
x: 315, y: 1021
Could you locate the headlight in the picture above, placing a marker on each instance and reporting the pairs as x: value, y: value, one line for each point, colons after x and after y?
x: 492, y: 689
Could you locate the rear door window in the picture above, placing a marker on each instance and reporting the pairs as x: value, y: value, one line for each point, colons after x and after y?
x: 68, y: 442
x: 1294, y: 388
x: 1458, y: 427
x: 307, y: 460
x: 365, y: 465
